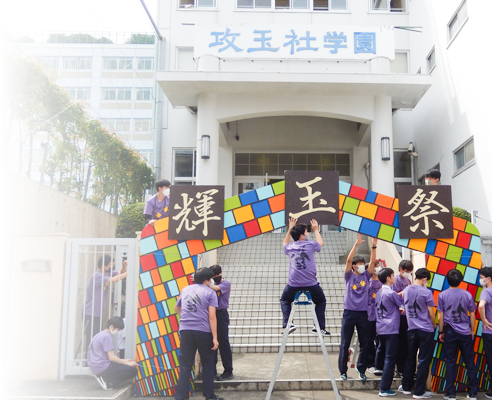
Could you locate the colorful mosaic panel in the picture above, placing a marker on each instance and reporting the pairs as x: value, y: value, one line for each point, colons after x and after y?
x: 166, y: 266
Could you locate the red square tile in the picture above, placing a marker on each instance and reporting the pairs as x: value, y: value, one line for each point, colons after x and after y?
x: 252, y: 228
x: 143, y: 296
x: 148, y: 262
x: 445, y: 266
x: 463, y: 240
x: 177, y: 269
x: 385, y: 216
x: 358, y: 192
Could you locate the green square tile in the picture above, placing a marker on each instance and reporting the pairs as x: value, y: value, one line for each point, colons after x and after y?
x: 278, y: 187
x: 166, y: 322
x: 166, y: 273
x: 430, y: 280
x: 139, y: 285
x: 461, y: 268
x: 386, y: 232
x: 170, y: 304
x: 175, y: 357
x: 154, y: 347
x: 172, y: 254
x: 470, y: 228
x: 477, y: 295
x: 231, y: 203
x: 212, y: 244
x: 454, y: 253
x: 137, y: 339
x: 350, y: 205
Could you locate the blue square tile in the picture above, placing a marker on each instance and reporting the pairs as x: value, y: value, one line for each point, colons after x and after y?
x: 142, y: 333
x: 471, y: 275
x: 437, y: 282
x: 466, y: 257
x: 397, y: 240
x: 173, y: 288
x: 396, y: 222
x: 261, y: 209
x: 446, y: 284
x: 165, y: 308
x: 160, y: 310
x: 229, y: 219
x: 183, y: 250
x: 159, y: 258
x: 154, y: 331
x: 278, y: 219
x: 147, y: 245
x: 371, y: 196
x: 431, y: 246
x: 265, y: 192
x: 344, y: 187
x: 146, y: 280
x: 151, y: 295
x: 248, y: 197
x: 475, y: 244
x: 236, y: 233
x: 351, y: 221
x: 370, y: 228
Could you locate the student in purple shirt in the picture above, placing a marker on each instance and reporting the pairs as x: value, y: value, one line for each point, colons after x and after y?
x: 374, y: 287
x: 198, y: 331
x: 223, y: 289
x: 485, y: 310
x: 157, y: 207
x: 355, y: 306
x: 302, y: 272
x: 388, y: 305
x: 421, y: 319
x: 402, y: 280
x: 456, y: 332
x: 109, y: 369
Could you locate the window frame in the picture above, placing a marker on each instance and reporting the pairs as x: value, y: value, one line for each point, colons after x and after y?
x: 195, y: 6
x: 454, y: 17
x: 310, y: 7
x: 144, y: 60
x: 143, y: 121
x: 117, y: 60
x: 407, y: 52
x: 467, y: 164
x: 76, y: 90
x: 184, y: 179
x: 430, y: 67
x: 48, y: 60
x: 388, y: 10
x: 116, y: 91
x: 143, y: 90
x: 113, y: 122
x: 77, y: 63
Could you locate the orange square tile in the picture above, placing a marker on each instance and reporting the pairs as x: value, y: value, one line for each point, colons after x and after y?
x: 182, y: 283
x: 418, y: 244
x: 243, y: 214
x: 385, y: 201
x: 265, y: 224
x: 453, y: 240
x: 156, y: 277
x: 195, y: 247
x: 476, y: 260
x: 163, y: 241
x: 144, y: 315
x: 340, y: 215
x: 153, y: 314
x: 463, y: 285
x: 436, y: 295
x: 188, y: 266
x: 225, y: 241
x: 147, y: 331
x: 367, y: 210
x: 441, y: 249
x: 139, y: 353
x: 160, y: 292
x: 396, y: 205
x: 459, y: 223
x: 161, y: 225
x: 277, y: 203
x: 341, y: 199
x: 432, y: 263
x: 176, y: 339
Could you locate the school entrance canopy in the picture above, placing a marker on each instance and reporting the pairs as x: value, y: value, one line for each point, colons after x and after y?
x: 166, y: 266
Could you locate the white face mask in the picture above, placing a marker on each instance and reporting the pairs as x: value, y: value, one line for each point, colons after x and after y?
x: 361, y: 268
x: 407, y: 275
x: 378, y: 270
x: 113, y: 331
x: 212, y: 283
x: 166, y: 192
x: 427, y: 182
x: 483, y: 283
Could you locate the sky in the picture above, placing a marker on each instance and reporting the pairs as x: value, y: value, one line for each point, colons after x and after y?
x: 76, y: 15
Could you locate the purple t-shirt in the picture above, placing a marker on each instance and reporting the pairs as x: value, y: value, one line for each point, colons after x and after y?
x: 388, y: 311
x: 400, y: 284
x: 98, y: 359
x: 158, y: 209
x: 223, y: 295
x: 416, y: 299
x: 374, y: 286
x: 357, y: 291
x: 486, y: 296
x: 194, y: 301
x: 455, y: 304
x: 97, y: 283
x: 302, y: 270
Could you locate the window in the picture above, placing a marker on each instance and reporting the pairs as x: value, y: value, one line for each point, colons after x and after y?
x: 50, y: 62
x: 184, y: 59
x: 142, y: 125
x: 148, y: 155
x: 145, y: 63
x: 196, y: 3
x: 431, y: 60
x: 400, y: 64
x: 117, y: 63
x: 80, y: 94
x: 403, y: 168
x: 116, y: 124
x: 388, y: 5
x: 184, y: 166
x: 274, y: 164
x: 144, y: 93
x: 116, y: 94
x: 312, y: 5
x: 457, y: 21
x: 464, y: 155
x: 77, y: 62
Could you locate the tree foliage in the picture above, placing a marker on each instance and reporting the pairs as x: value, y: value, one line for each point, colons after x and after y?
x: 84, y: 160
x: 461, y: 213
x: 131, y: 220
x: 76, y: 38
x: 141, y: 38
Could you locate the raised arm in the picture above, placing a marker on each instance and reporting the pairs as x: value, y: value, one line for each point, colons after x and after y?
x: 315, y: 226
x: 372, y: 262
x: 292, y: 223
x: 440, y: 317
x: 350, y: 257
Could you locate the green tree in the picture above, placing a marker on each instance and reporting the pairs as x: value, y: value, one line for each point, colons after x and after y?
x: 141, y: 38
x: 461, y: 213
x: 76, y: 38
x: 130, y: 220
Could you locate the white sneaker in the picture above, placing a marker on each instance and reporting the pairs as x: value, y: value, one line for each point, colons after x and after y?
x: 426, y: 395
x: 103, y: 383
x: 401, y: 390
x: 378, y: 372
x: 471, y: 397
x: 292, y: 328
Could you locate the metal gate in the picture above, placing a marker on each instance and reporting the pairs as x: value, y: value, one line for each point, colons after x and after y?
x: 95, y: 290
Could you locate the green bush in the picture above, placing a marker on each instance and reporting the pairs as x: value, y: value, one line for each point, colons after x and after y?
x: 130, y: 221
x: 461, y: 213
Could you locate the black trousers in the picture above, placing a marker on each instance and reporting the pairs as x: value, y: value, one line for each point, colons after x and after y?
x: 371, y: 345
x: 191, y: 341
x: 387, y: 349
x: 317, y: 295
x: 118, y: 373
x: 223, y: 338
x: 402, y: 348
x: 350, y: 320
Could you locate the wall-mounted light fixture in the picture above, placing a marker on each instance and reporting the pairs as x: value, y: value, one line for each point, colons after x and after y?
x: 205, y: 146
x: 385, y: 148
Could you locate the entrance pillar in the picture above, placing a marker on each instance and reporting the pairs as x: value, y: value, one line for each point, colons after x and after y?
x: 382, y: 172
x: 207, y: 170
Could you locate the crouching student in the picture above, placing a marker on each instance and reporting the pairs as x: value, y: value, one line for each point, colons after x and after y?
x: 198, y: 331
x: 456, y: 332
x: 388, y: 305
x: 109, y: 369
x: 419, y: 309
x: 485, y: 310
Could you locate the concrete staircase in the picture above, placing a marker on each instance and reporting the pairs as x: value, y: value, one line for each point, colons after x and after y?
x: 258, y: 270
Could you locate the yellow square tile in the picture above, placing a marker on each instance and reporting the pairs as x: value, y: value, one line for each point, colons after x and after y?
x: 160, y: 292
x: 144, y: 315
x: 265, y: 224
x: 225, y: 241
x: 188, y: 266
x: 396, y: 205
x: 341, y: 199
x: 182, y: 283
x: 367, y: 210
x: 432, y: 263
x: 418, y: 244
x: 161, y: 225
x: 243, y: 214
x: 476, y: 260
x: 162, y: 327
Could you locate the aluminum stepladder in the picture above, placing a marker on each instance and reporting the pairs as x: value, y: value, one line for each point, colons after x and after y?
x: 354, y: 350
x: 296, y: 303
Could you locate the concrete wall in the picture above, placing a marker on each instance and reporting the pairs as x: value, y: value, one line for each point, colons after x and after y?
x: 29, y: 207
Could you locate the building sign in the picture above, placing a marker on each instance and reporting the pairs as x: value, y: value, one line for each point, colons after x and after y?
x: 295, y: 42
x: 197, y: 212
x: 426, y: 212
x: 312, y: 195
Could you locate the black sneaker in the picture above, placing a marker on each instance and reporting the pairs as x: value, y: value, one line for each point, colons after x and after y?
x: 324, y: 332
x: 226, y: 376
x: 291, y: 329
